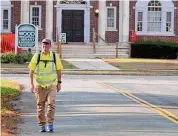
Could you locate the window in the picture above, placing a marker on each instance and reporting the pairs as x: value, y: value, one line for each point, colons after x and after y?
x: 140, y: 21
x: 154, y: 17
x: 111, y: 18
x: 168, y: 22
x: 35, y: 15
x: 5, y: 16
x: 5, y: 20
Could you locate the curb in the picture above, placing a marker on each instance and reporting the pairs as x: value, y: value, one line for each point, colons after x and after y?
x: 105, y: 72
x: 153, y: 72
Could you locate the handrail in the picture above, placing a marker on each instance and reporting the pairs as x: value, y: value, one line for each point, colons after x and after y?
x: 94, y: 40
x: 117, y: 47
x: 95, y: 34
x: 102, y: 39
x: 59, y: 45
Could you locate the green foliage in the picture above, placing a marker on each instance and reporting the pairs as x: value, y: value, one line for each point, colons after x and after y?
x: 7, y: 91
x: 156, y: 50
x: 7, y: 58
x: 157, y: 43
x: 28, y: 57
x: 19, y: 58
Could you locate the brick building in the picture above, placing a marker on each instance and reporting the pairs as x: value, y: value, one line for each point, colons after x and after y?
x: 150, y: 19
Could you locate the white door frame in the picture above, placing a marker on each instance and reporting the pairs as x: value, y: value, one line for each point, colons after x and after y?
x: 84, y: 7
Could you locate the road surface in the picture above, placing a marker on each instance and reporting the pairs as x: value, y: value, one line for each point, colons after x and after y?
x: 106, y: 105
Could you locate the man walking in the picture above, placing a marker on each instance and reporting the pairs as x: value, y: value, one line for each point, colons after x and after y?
x: 45, y: 68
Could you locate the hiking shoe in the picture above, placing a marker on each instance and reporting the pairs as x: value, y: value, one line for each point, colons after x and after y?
x: 50, y: 128
x: 42, y: 129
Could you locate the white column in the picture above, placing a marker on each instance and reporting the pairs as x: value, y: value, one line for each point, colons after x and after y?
x: 120, y: 20
x: 102, y: 20
x: 124, y: 22
x: 49, y: 19
x: 25, y: 11
x: 87, y: 25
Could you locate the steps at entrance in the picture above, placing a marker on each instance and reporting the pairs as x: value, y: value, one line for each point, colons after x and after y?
x: 86, y: 51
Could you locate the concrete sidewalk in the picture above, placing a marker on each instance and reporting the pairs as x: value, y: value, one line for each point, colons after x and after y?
x: 93, y: 67
x: 91, y: 64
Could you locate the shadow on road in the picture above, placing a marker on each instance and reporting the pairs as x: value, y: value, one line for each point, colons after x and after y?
x: 95, y: 113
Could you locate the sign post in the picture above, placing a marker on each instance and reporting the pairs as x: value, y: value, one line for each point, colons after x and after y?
x: 26, y: 36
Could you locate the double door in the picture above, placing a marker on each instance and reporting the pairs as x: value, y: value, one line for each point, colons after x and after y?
x: 73, y: 25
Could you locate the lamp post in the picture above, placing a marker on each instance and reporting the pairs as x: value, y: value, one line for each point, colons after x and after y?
x: 97, y: 13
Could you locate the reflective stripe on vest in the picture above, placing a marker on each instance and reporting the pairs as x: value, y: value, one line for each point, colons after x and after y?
x: 45, y: 82
x: 48, y: 76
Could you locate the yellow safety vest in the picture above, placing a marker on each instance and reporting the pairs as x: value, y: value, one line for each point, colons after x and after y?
x: 45, y: 73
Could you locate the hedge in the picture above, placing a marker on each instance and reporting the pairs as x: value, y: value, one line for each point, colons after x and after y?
x: 19, y: 58
x: 156, y: 50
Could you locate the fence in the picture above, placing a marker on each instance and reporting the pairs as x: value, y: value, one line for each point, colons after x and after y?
x: 7, y: 42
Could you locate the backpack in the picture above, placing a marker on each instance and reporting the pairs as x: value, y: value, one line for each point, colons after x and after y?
x: 54, y: 59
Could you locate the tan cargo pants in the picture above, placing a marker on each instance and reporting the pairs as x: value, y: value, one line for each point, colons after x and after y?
x: 45, y: 95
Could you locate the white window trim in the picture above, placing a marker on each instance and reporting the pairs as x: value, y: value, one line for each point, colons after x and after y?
x: 164, y: 9
x: 32, y: 6
x: 115, y: 23
x: 9, y: 20
x: 136, y: 20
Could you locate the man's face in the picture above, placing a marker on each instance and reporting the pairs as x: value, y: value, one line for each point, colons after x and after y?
x: 46, y: 47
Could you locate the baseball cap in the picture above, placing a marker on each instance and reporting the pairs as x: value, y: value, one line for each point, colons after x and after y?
x: 46, y: 41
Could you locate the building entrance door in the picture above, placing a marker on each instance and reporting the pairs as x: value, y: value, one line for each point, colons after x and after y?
x: 73, y: 25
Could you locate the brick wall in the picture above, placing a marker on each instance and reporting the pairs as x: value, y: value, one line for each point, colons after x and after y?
x: 93, y: 19
x: 176, y: 20
x: 41, y: 33
x: 154, y: 38
x: 112, y: 36
x: 132, y: 16
x: 15, y: 14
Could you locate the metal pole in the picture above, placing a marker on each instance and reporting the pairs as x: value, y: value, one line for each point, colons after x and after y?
x: 94, y: 41
x: 16, y: 38
x: 60, y: 48
x: 36, y: 38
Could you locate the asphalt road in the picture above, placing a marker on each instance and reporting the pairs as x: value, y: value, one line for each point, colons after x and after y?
x: 104, y: 105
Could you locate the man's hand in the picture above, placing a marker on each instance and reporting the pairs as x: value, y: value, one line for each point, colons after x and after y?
x: 58, y: 86
x: 32, y: 88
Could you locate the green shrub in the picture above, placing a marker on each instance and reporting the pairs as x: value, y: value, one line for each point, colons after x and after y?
x: 7, y: 91
x: 157, y: 50
x: 19, y: 58
x: 28, y: 56
x: 157, y: 43
x: 7, y: 58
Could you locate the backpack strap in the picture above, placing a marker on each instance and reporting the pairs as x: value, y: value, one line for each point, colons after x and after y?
x: 54, y: 58
x: 38, y: 59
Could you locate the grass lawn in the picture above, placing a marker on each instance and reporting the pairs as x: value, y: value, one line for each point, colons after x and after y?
x: 65, y: 64
x: 9, y: 117
x: 143, y: 64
